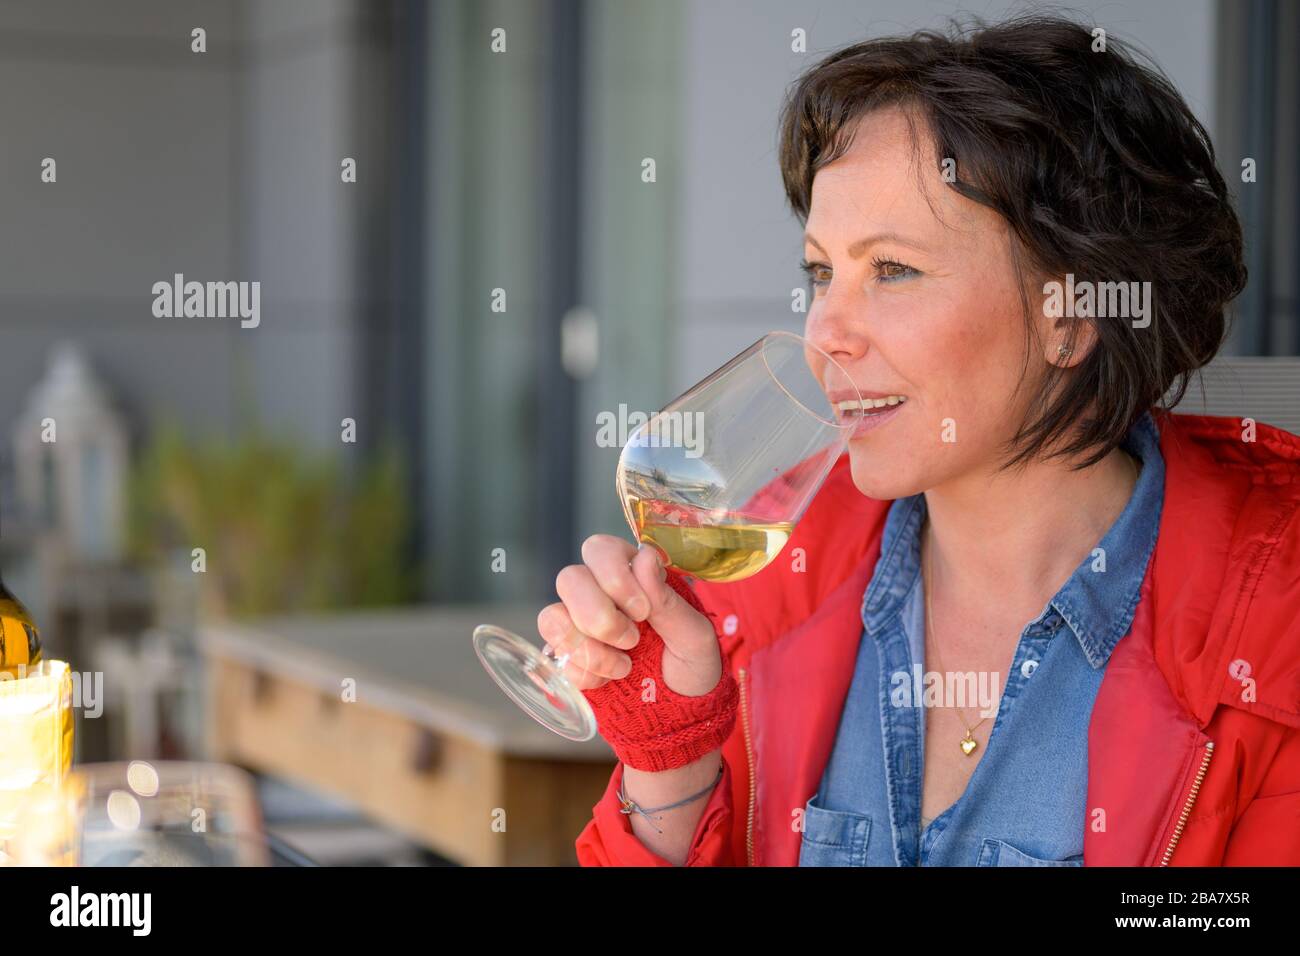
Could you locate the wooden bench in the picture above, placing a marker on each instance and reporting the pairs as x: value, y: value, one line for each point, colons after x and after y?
x: 430, y: 746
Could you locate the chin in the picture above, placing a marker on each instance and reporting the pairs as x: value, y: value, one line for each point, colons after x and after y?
x: 879, y: 480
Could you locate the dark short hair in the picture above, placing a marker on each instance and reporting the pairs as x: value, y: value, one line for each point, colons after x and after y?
x: 1095, y: 162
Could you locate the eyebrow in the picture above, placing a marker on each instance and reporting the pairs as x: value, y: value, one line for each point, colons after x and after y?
x: 862, y: 245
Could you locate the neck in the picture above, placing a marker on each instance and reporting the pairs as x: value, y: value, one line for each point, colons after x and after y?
x: 1018, y: 536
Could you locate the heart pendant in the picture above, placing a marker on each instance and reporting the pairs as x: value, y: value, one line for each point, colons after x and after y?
x: 968, y: 745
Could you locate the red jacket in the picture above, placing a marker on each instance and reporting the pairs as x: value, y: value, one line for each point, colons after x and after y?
x: 1194, y: 739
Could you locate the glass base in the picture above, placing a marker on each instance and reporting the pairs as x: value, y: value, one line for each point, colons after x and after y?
x: 533, y: 680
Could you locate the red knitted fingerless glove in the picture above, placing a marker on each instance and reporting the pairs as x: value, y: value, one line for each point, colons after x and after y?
x: 669, y: 729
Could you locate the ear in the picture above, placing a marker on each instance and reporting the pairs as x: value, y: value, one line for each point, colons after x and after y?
x: 1076, y: 336
x: 1059, y: 329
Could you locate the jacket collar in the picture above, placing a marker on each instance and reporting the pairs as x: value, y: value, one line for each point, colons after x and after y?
x: 1225, y: 567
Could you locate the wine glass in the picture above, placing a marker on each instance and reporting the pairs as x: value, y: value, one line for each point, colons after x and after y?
x: 146, y: 813
x: 715, y: 481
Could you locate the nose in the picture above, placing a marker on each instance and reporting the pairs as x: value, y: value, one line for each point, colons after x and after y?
x: 835, y: 326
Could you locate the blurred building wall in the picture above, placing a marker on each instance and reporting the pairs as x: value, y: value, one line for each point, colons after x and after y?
x: 146, y: 140
x: 316, y: 89
x: 221, y: 165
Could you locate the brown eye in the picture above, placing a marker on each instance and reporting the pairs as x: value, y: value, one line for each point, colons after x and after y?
x: 818, y: 274
x: 889, y: 270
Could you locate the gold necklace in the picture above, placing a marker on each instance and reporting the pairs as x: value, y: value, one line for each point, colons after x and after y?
x: 968, y: 743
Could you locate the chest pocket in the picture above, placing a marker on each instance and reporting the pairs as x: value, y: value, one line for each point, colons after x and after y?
x: 1000, y: 853
x: 833, y: 837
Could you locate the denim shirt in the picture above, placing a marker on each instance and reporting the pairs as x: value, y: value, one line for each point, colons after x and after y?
x: 1024, y: 804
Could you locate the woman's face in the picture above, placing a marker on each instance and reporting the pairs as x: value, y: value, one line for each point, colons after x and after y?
x: 915, y: 295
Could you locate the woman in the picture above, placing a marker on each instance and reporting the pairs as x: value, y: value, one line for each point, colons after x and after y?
x: 1038, y: 619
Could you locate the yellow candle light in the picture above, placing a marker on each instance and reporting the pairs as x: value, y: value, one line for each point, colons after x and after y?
x: 35, y: 739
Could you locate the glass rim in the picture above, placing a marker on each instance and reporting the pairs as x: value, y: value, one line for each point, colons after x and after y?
x: 585, y: 728
x: 846, y: 425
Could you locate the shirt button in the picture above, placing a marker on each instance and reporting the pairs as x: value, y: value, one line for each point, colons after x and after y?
x: 1028, y: 668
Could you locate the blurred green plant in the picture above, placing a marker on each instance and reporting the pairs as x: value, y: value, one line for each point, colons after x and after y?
x: 283, y: 528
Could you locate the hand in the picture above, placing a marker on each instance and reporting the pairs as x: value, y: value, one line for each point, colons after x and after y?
x: 603, y: 600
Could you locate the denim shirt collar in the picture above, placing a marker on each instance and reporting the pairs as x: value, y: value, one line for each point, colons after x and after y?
x: 1097, y: 605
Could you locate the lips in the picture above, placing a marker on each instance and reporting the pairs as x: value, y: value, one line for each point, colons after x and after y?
x: 848, y: 408
x: 870, y: 421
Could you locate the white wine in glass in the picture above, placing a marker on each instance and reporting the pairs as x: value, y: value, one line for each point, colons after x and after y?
x: 715, y: 547
x: 716, y: 482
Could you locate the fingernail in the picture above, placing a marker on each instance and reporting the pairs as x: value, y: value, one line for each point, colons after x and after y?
x: 658, y: 556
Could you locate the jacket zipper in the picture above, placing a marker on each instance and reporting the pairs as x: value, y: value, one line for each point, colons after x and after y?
x: 1187, y: 804
x: 749, y: 757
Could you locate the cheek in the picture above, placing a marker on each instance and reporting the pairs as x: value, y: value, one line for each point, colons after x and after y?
x: 972, y: 355
x: 960, y: 356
